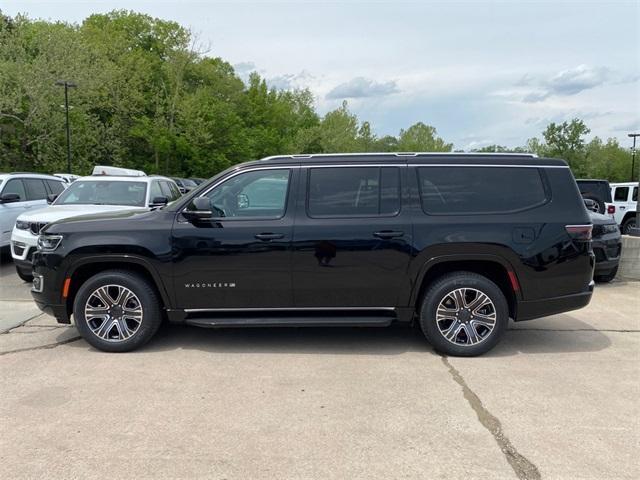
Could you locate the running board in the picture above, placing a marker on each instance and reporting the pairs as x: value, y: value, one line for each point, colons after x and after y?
x: 299, y: 320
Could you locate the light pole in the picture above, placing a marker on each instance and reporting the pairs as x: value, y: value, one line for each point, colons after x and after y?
x: 635, y: 231
x: 67, y: 85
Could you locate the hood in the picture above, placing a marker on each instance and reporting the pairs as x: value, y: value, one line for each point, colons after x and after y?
x: 599, y: 219
x: 59, y: 212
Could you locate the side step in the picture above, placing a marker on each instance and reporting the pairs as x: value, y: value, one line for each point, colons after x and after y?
x: 297, y: 319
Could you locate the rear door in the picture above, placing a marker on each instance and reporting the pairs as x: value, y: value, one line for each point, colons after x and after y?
x: 352, y: 238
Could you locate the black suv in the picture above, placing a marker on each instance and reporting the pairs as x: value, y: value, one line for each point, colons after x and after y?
x: 459, y: 243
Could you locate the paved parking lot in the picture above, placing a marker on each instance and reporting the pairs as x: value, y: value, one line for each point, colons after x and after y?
x: 558, y: 398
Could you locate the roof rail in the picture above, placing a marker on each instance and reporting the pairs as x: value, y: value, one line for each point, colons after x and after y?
x: 405, y: 154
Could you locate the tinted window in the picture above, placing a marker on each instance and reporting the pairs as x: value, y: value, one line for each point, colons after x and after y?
x: 621, y: 195
x: 634, y: 197
x: 599, y: 190
x: 56, y: 187
x: 15, y: 186
x: 479, y: 189
x: 261, y: 193
x: 353, y: 191
x: 156, y: 192
x: 105, y: 192
x: 170, y: 190
x: 35, y: 189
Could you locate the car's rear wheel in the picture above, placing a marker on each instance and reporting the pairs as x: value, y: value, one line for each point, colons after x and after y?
x: 464, y: 314
x: 117, y: 311
x: 25, y: 277
x: 628, y: 225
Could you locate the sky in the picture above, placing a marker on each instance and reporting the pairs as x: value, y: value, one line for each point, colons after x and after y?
x: 481, y: 72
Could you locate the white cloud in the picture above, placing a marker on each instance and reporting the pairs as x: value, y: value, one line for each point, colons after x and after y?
x: 360, y: 87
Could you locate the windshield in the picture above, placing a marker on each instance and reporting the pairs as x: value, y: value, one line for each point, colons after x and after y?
x: 104, y: 192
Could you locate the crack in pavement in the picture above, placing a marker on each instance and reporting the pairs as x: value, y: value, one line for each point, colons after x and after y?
x: 523, y: 468
x: 42, y: 347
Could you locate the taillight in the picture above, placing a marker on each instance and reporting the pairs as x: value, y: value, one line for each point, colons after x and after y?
x: 611, y: 209
x: 579, y: 232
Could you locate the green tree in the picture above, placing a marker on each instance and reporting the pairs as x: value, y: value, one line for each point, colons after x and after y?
x: 422, y: 138
x: 566, y: 141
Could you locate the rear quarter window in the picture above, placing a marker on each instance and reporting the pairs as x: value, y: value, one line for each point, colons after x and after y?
x: 477, y: 190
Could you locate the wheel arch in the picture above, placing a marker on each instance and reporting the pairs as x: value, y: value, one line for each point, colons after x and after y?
x: 90, y: 266
x: 493, y: 267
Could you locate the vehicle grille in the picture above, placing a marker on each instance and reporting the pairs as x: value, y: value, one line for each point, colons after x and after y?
x: 35, y: 227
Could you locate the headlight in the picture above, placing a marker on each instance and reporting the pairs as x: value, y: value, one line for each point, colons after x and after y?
x: 48, y: 243
x: 22, y: 225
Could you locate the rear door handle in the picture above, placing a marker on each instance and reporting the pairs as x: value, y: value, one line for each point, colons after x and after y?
x: 386, y: 234
x: 265, y: 237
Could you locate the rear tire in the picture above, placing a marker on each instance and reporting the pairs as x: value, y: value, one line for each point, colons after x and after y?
x: 117, y: 311
x: 628, y: 224
x: 608, y: 277
x: 464, y: 314
x: 25, y: 277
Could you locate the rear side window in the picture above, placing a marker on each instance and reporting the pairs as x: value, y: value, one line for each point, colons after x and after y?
x: 15, y: 186
x: 460, y: 190
x: 35, y: 189
x: 55, y: 187
x: 353, y: 192
x: 621, y: 195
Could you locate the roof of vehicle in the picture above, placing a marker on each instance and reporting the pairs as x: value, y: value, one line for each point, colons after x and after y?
x: 120, y: 178
x: 30, y: 174
x: 592, y: 180
x: 418, y: 158
x: 624, y: 184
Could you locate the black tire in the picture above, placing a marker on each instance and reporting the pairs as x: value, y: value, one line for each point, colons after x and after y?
x: 608, y: 277
x: 145, y: 299
x: 497, y: 308
x: 25, y: 277
x: 628, y: 224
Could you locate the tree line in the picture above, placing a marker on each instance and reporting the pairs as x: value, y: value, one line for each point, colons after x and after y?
x: 147, y: 98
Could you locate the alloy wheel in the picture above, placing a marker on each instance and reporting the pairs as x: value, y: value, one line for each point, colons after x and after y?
x: 466, y: 316
x: 113, y: 313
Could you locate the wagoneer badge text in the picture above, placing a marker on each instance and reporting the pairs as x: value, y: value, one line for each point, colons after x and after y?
x: 210, y: 285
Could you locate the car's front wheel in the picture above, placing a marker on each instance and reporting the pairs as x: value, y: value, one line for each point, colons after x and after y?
x: 117, y: 311
x: 464, y: 314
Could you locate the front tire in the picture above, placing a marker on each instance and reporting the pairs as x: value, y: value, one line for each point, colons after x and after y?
x: 117, y: 311
x: 464, y: 314
x: 25, y: 277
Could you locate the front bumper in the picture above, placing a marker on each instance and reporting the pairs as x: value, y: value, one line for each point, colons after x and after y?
x: 530, y: 309
x: 23, y: 246
x: 607, y: 250
x: 46, y: 289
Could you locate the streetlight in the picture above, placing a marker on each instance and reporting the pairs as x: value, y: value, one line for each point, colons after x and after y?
x: 635, y: 231
x: 67, y: 85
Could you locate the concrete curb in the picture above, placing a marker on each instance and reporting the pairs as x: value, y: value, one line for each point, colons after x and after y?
x: 630, y: 259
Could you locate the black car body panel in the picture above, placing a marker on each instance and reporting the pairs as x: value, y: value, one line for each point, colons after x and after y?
x: 307, y: 261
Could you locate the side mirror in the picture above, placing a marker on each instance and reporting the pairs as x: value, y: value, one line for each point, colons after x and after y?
x: 51, y: 198
x: 158, y: 201
x: 9, y: 198
x: 200, y: 209
x: 242, y: 201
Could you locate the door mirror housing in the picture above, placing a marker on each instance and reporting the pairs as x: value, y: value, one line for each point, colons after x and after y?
x: 200, y: 209
x: 51, y: 198
x: 159, y: 201
x: 9, y: 198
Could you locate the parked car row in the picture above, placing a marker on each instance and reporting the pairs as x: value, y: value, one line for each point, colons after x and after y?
x: 618, y: 200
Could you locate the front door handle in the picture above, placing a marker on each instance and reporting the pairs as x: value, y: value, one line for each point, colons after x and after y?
x: 265, y: 237
x: 387, y: 234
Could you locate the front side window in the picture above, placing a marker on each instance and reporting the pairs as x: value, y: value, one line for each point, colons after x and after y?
x: 621, y: 195
x: 35, y: 189
x: 56, y: 187
x: 15, y: 186
x: 256, y: 194
x: 353, y: 192
x: 155, y: 192
x: 104, y: 192
x: 470, y: 190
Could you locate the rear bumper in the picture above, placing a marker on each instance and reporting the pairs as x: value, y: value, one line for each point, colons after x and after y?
x: 528, y: 310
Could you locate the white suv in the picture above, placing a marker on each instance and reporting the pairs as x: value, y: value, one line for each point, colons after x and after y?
x: 93, y: 194
x: 21, y: 192
x: 625, y: 198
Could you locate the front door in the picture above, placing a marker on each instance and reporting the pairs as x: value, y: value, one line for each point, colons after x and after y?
x: 352, y: 238
x: 242, y: 257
